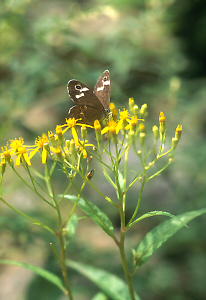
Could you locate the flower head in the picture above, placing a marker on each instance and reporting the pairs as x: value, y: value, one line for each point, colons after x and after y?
x: 43, y: 144
x: 22, y: 155
x: 15, y: 144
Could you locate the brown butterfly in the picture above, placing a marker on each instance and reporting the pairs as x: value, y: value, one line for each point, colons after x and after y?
x: 90, y: 106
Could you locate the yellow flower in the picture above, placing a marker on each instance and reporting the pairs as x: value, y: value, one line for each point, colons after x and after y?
x: 5, y: 156
x: 112, y: 106
x: 162, y: 123
x: 178, y: 132
x: 40, y: 143
x: 132, y: 123
x: 162, y: 117
x: 97, y: 125
x: 124, y: 115
x: 22, y: 154
x: 21, y: 151
x: 82, y: 145
x: 71, y: 123
x: 59, y: 130
x: 124, y: 119
x: 111, y: 127
x: 15, y: 144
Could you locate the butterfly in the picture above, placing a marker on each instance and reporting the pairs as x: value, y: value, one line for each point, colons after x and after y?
x: 90, y: 106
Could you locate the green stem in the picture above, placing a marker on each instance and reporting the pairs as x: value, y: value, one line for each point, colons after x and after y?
x: 60, y: 237
x: 122, y: 236
x: 122, y: 252
x: 28, y: 217
x: 96, y: 189
x: 75, y: 204
x: 1, y: 180
x: 32, y: 188
x: 139, y: 199
x: 125, y: 176
x: 125, y: 267
x: 63, y: 265
x: 158, y: 172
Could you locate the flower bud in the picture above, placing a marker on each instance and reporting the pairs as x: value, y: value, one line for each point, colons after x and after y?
x: 67, y: 143
x: 141, y: 127
x: 58, y: 152
x: 131, y: 136
x: 135, y: 110
x: 162, y: 123
x: 47, y: 147
x: 131, y: 104
x: 142, y: 137
x: 97, y: 128
x: 133, y: 123
x: 143, y: 110
x: 59, y: 135
x: 73, y: 149
x: 174, y: 142
x: 83, y: 132
x: 2, y: 167
x: 113, y: 111
x: 52, y: 139
x: 178, y: 132
x: 155, y: 132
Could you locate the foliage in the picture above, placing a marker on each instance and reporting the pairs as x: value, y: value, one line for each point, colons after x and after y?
x: 153, y: 50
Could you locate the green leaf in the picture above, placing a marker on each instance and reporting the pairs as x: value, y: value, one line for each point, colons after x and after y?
x: 121, y: 180
x: 71, y: 226
x: 121, y: 183
x: 110, y: 284
x: 94, y: 213
x: 41, y: 272
x: 160, y: 234
x: 151, y: 214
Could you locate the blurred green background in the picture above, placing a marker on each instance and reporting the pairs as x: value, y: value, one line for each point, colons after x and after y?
x: 155, y: 53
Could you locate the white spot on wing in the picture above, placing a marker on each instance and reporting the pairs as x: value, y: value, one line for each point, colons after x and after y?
x: 106, y: 82
x: 84, y: 89
x: 80, y: 95
x: 100, y: 88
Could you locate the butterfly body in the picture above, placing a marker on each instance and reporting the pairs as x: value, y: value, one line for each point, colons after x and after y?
x: 90, y: 106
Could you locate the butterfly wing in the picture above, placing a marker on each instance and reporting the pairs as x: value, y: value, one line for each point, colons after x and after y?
x: 88, y: 108
x: 82, y: 95
x: 102, y: 89
x: 86, y: 114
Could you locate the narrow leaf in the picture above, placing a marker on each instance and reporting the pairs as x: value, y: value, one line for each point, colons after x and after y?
x: 41, y: 272
x: 121, y: 183
x: 161, y: 233
x: 110, y: 284
x: 121, y: 180
x: 71, y: 227
x: 94, y: 213
x: 151, y: 214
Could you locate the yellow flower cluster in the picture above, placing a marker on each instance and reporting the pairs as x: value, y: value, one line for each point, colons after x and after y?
x: 56, y: 146
x: 45, y: 145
